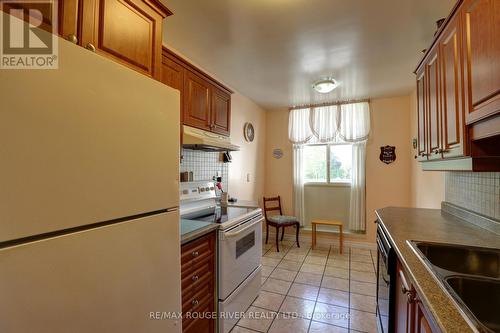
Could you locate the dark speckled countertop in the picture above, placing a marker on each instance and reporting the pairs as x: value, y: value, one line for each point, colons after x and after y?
x: 433, y: 225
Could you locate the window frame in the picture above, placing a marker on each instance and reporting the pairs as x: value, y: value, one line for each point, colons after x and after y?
x: 329, y: 182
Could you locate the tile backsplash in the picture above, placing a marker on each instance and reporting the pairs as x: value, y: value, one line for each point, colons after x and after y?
x: 475, y: 191
x: 205, y: 166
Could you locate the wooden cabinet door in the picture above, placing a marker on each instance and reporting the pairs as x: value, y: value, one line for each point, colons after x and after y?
x: 221, y: 111
x: 403, y: 308
x: 422, y: 325
x: 433, y: 102
x: 30, y: 11
x: 196, y: 101
x: 198, y: 283
x: 452, y: 97
x: 482, y: 54
x: 422, y: 124
x: 172, y: 73
x: 129, y: 32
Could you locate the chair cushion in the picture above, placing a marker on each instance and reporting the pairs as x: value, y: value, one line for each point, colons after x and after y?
x: 282, y: 219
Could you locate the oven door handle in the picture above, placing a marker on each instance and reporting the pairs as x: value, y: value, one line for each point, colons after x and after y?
x: 232, y: 234
x: 381, y: 248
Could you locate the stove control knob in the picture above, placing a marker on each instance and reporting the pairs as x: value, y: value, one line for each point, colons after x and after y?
x: 212, y: 188
x: 185, y: 192
x: 207, y: 189
x: 202, y: 189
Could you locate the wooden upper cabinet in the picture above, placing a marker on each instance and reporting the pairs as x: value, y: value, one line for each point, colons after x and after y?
x: 129, y: 32
x: 422, y: 95
x: 172, y: 73
x: 206, y: 103
x: 434, y: 104
x: 30, y: 11
x: 221, y: 111
x: 482, y: 54
x: 71, y: 16
x: 197, y: 101
x: 458, y: 91
x: 452, y: 94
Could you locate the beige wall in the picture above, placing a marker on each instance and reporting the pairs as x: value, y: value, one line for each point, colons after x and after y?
x: 251, y: 158
x: 427, y: 187
x: 386, y: 185
x: 279, y: 171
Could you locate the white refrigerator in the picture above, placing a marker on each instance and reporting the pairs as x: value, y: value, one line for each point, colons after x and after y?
x: 89, y: 222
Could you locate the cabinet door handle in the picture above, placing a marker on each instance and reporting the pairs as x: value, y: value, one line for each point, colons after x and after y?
x: 90, y: 47
x: 194, y: 302
x: 195, y: 278
x: 405, y: 289
x: 195, y: 254
x: 442, y: 151
x: 72, y: 38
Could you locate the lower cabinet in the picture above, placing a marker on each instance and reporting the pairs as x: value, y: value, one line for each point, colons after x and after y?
x: 403, y: 302
x: 422, y: 324
x: 198, y: 284
x: 410, y: 314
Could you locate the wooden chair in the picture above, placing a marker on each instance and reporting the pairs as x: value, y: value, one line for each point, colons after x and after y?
x: 279, y: 221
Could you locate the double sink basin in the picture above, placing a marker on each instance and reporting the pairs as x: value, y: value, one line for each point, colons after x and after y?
x: 471, y: 275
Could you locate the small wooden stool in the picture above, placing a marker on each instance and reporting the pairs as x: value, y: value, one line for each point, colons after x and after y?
x: 326, y: 222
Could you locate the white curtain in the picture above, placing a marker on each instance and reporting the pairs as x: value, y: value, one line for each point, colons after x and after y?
x: 357, y: 221
x: 299, y: 130
x: 298, y: 183
x: 324, y: 123
x: 349, y: 122
x: 328, y: 124
x: 354, y: 122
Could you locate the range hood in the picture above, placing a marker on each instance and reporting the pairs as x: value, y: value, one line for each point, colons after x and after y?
x: 197, y: 139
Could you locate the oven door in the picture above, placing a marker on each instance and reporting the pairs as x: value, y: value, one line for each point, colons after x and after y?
x: 383, y: 293
x: 383, y: 283
x: 240, y: 253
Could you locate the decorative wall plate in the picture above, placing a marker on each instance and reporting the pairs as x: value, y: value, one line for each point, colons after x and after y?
x: 387, y: 154
x: 277, y: 153
x: 249, y: 132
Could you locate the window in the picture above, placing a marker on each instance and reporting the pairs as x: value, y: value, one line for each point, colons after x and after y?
x: 327, y: 163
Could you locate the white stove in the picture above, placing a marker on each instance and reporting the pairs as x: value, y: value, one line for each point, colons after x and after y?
x: 239, y: 244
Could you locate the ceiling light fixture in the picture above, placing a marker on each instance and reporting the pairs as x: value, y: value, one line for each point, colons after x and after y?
x: 326, y: 85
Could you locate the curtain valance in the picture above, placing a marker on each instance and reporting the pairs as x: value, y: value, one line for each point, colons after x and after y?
x: 345, y: 122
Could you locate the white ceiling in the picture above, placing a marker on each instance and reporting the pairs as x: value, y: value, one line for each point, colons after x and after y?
x: 272, y: 50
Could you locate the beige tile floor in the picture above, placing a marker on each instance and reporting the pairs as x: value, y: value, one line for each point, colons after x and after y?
x: 321, y: 290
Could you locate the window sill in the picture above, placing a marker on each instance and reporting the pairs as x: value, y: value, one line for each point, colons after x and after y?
x: 337, y: 184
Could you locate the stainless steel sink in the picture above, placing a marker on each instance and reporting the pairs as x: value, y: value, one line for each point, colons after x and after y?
x: 481, y: 296
x: 462, y: 259
x: 471, y: 275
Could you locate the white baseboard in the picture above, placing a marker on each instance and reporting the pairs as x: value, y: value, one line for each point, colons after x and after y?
x: 323, y: 242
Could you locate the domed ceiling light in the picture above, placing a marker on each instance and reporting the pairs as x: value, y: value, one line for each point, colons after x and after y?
x: 326, y: 85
